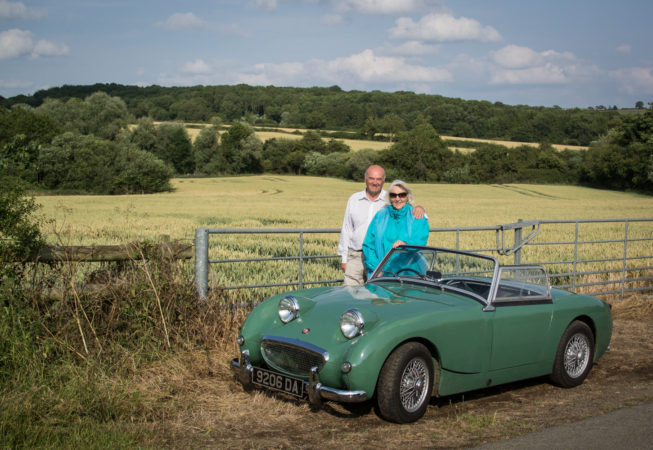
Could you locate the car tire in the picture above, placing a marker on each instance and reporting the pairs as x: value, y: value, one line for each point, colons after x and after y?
x: 405, y: 384
x: 575, y: 355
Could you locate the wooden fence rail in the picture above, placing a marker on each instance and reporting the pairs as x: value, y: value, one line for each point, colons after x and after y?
x: 122, y: 252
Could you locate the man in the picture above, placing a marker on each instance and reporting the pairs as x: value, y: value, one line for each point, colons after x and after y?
x: 361, y: 208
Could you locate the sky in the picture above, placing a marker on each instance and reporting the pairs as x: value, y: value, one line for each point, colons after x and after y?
x: 567, y: 53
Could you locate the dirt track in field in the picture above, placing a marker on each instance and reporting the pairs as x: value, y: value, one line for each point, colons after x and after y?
x: 213, y: 411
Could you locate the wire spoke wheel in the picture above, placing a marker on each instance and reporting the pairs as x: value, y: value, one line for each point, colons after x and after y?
x: 576, y: 355
x: 414, y: 382
x: 405, y: 383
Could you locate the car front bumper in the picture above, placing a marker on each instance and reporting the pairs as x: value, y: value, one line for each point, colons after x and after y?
x: 317, y: 392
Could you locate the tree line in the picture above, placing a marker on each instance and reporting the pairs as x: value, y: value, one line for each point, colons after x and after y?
x: 334, y: 109
x: 97, y: 145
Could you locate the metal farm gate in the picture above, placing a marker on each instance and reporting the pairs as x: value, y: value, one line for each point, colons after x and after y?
x: 600, y: 257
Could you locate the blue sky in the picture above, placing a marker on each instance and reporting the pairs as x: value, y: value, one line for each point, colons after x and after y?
x: 570, y: 53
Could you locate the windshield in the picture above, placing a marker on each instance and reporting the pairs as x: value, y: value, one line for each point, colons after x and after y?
x: 470, y: 272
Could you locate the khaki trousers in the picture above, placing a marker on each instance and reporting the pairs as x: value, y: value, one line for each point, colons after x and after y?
x: 355, y: 270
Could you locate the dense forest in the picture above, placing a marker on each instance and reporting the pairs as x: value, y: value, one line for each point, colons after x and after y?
x: 334, y: 109
x: 106, y: 138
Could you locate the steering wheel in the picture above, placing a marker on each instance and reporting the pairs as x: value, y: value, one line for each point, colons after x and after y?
x: 408, y: 269
x: 383, y: 272
x: 460, y: 283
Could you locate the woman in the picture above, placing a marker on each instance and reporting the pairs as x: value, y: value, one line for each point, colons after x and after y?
x: 393, y: 225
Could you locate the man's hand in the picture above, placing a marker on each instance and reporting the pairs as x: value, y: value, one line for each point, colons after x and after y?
x: 418, y: 212
x: 343, y: 266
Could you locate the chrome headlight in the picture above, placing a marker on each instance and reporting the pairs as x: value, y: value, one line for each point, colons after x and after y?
x: 351, y: 323
x: 288, y: 309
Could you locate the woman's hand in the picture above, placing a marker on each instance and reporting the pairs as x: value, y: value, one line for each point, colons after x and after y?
x: 398, y: 243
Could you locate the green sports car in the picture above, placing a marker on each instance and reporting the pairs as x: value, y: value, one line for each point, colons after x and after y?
x: 428, y: 322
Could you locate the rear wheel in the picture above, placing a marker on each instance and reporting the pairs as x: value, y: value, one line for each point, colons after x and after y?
x: 575, y: 355
x: 405, y: 384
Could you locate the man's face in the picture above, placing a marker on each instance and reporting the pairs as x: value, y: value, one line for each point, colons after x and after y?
x: 374, y: 180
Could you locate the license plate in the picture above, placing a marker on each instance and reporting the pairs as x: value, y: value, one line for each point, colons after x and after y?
x: 278, y: 382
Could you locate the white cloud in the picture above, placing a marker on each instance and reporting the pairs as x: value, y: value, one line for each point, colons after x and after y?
x: 197, y: 67
x: 351, y: 71
x: 624, y: 48
x: 413, y: 48
x: 18, y: 11
x: 16, y: 43
x: 516, y: 57
x: 181, y: 21
x: 546, y: 74
x: 378, y: 6
x: 634, y: 80
x: 368, y: 67
x: 47, y: 48
x: 515, y: 64
x: 443, y: 27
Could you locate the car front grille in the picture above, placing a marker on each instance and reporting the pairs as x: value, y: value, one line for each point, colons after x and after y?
x: 292, y: 356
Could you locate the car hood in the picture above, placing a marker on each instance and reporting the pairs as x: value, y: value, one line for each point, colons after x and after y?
x: 392, y: 312
x: 377, y: 302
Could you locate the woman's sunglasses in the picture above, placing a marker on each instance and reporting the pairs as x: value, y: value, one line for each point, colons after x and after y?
x: 400, y: 195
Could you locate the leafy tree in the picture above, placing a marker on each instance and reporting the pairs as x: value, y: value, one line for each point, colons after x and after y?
x: 336, y: 146
x: 104, y: 116
x: 392, y: 124
x: 144, y: 135
x: 190, y: 110
x: 240, y: 150
x: 18, y: 161
x: 371, y: 127
x: 622, y: 159
x: 457, y: 175
x: 275, y: 152
x: 99, y: 114
x: 359, y: 161
x: 139, y: 172
x: 174, y: 147
x: 491, y: 164
x: 25, y: 121
x: 206, y: 151
x: 88, y: 164
x: 312, y: 142
x: 331, y: 165
x: 418, y: 154
x: 20, y: 237
x: 77, y: 163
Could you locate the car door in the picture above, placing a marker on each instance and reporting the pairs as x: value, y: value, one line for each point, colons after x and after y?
x: 522, y: 316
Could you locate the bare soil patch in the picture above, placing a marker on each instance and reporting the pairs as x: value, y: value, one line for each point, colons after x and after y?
x: 197, y: 403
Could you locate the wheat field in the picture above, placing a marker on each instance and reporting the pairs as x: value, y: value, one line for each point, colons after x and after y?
x: 311, y: 202
x: 273, y: 202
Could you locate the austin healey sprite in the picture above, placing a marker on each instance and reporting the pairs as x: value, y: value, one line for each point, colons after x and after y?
x: 428, y: 322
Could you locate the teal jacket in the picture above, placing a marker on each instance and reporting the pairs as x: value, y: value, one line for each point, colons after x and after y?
x: 389, y: 226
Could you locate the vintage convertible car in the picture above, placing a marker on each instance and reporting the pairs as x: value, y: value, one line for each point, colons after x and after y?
x: 429, y: 321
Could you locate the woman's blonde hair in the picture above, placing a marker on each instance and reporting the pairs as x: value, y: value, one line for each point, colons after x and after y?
x: 405, y: 187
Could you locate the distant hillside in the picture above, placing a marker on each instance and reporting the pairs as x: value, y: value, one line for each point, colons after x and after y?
x: 367, y: 113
